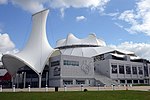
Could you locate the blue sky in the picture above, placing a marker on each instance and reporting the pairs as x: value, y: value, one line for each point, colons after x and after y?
x: 121, y: 23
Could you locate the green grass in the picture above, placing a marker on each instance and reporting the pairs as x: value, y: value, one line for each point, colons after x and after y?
x: 89, y: 95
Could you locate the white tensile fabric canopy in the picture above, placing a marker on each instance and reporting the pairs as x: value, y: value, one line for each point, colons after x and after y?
x: 72, y: 40
x: 37, y: 50
x: 86, y: 47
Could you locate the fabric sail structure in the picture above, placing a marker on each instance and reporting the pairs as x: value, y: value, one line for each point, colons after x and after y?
x: 37, y: 50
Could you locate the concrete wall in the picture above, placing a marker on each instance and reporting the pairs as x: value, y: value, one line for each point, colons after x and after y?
x: 102, y: 67
x: 84, y: 72
x: 125, y: 76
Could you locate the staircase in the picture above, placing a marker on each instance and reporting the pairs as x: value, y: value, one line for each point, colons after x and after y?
x: 104, y: 80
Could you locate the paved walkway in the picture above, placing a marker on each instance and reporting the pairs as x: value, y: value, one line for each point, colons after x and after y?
x: 140, y: 88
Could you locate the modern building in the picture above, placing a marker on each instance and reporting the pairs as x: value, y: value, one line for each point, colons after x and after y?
x: 73, y: 62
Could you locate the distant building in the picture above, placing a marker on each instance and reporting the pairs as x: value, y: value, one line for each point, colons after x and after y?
x: 73, y: 62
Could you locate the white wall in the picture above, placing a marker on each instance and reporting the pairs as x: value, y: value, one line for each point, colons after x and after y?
x: 102, y: 67
x: 84, y: 70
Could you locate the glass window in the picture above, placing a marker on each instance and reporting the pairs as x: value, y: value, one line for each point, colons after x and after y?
x: 128, y: 69
x: 72, y: 63
x: 129, y: 81
x: 134, y: 69
x: 67, y: 82
x: 146, y: 70
x: 140, y: 70
x: 135, y: 81
x: 80, y: 81
x: 55, y: 63
x: 141, y: 81
x: 121, y: 69
x: 122, y: 81
x: 114, y: 69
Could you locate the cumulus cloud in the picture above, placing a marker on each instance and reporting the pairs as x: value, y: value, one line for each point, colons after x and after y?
x: 78, y: 3
x: 140, y: 49
x: 80, y: 18
x: 6, y: 44
x: 37, y: 5
x: 138, y: 19
x: 3, y: 1
x: 30, y: 5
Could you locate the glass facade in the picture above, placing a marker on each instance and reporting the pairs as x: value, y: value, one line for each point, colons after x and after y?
x: 121, y: 69
x: 80, y: 81
x: 67, y: 82
x: 128, y: 69
x: 55, y: 63
x: 114, y: 68
x: 140, y: 70
x: 134, y: 70
x: 72, y: 63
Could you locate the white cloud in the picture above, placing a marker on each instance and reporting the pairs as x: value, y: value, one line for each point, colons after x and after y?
x: 81, y: 18
x: 5, y: 43
x: 62, y: 11
x: 30, y: 5
x: 37, y: 5
x: 78, y: 3
x: 140, y: 49
x: 3, y: 1
x: 138, y: 19
x: 118, y: 25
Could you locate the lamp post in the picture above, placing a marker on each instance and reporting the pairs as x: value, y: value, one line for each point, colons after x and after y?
x: 46, y: 88
x: 98, y: 87
x: 81, y: 87
x: 29, y: 89
x: 1, y: 88
x: 65, y: 87
x: 13, y: 89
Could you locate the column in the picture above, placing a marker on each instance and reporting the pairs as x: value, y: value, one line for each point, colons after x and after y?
x: 46, y: 78
x: 40, y: 79
x: 24, y: 80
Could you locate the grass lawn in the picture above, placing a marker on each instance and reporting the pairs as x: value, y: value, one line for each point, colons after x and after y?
x: 89, y: 95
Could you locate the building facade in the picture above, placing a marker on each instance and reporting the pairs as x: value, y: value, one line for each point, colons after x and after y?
x: 74, y: 62
x: 124, y: 70
x: 71, y: 71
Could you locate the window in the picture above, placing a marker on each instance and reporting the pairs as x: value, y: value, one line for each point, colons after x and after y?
x: 67, y: 82
x: 122, y: 81
x: 134, y: 69
x: 128, y: 69
x: 80, y: 82
x: 129, y: 81
x: 69, y: 62
x: 140, y: 70
x: 135, y: 81
x: 121, y: 69
x: 146, y: 71
x: 141, y: 81
x: 114, y: 69
x: 55, y: 63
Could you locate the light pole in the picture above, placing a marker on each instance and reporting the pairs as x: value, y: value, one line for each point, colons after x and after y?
x: 98, y: 87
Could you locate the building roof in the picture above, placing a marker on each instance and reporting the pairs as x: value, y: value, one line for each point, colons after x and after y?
x: 91, y: 51
x: 86, y: 47
x: 71, y: 40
